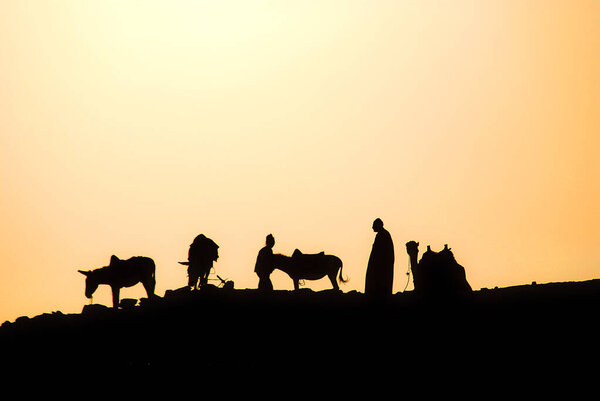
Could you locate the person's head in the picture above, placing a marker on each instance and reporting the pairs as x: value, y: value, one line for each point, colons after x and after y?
x: 270, y: 241
x: 377, y: 225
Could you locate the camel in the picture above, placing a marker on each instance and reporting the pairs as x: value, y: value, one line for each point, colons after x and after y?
x: 437, y: 273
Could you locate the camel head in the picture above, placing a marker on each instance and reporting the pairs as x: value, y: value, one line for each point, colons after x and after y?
x: 412, y: 248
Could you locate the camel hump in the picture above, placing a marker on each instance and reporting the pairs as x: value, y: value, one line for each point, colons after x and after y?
x: 447, y: 254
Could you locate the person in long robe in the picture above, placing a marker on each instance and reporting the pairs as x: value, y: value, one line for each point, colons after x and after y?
x: 264, y: 265
x: 380, y: 270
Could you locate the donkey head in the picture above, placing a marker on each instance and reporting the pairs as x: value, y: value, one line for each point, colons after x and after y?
x: 91, y: 284
x: 280, y: 261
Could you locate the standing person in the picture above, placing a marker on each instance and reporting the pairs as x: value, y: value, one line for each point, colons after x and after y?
x: 264, y: 264
x: 380, y: 270
x: 203, y: 252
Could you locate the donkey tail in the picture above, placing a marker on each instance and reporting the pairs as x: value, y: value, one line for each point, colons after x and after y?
x: 341, y: 278
x: 151, y: 280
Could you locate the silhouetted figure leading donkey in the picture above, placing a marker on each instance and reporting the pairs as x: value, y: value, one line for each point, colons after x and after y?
x: 264, y: 265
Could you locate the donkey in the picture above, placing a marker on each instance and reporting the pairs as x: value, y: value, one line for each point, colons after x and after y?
x: 122, y: 273
x: 310, y: 267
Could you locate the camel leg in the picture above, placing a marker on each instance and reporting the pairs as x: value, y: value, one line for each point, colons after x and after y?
x: 296, y: 284
x: 115, y: 296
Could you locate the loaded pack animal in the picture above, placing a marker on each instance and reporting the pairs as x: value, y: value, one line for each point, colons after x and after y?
x: 301, y: 266
x: 437, y: 273
x: 122, y: 273
x: 201, y: 255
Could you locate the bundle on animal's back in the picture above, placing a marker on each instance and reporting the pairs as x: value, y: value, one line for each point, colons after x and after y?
x: 203, y: 249
x: 201, y: 255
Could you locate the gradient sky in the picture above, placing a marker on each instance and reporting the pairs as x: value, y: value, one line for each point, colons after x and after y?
x: 129, y: 127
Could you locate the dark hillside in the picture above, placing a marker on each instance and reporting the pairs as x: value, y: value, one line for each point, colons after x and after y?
x: 534, y: 329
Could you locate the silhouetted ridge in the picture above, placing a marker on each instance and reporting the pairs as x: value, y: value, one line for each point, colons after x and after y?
x: 248, y: 331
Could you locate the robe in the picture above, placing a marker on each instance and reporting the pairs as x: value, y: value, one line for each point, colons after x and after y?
x: 264, y: 268
x: 380, y: 270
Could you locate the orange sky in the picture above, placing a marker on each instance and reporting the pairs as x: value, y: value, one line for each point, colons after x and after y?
x: 129, y: 127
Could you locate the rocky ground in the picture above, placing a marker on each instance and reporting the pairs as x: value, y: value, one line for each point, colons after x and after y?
x: 543, y: 330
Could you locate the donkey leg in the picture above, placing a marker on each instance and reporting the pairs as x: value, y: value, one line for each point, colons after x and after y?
x: 296, y: 284
x: 193, y: 279
x: 333, y: 281
x: 149, y: 287
x: 115, y: 296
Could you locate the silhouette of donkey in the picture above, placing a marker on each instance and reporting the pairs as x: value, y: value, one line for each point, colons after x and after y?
x: 122, y: 273
x: 310, y: 267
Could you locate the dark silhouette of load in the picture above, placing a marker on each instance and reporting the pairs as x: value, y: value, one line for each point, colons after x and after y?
x: 122, y: 273
x: 302, y: 266
x: 201, y: 255
x: 437, y: 273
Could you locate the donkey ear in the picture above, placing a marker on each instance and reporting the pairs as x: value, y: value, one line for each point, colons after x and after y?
x: 114, y: 259
x: 85, y: 273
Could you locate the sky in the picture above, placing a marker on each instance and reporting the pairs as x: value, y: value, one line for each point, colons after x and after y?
x: 129, y: 127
